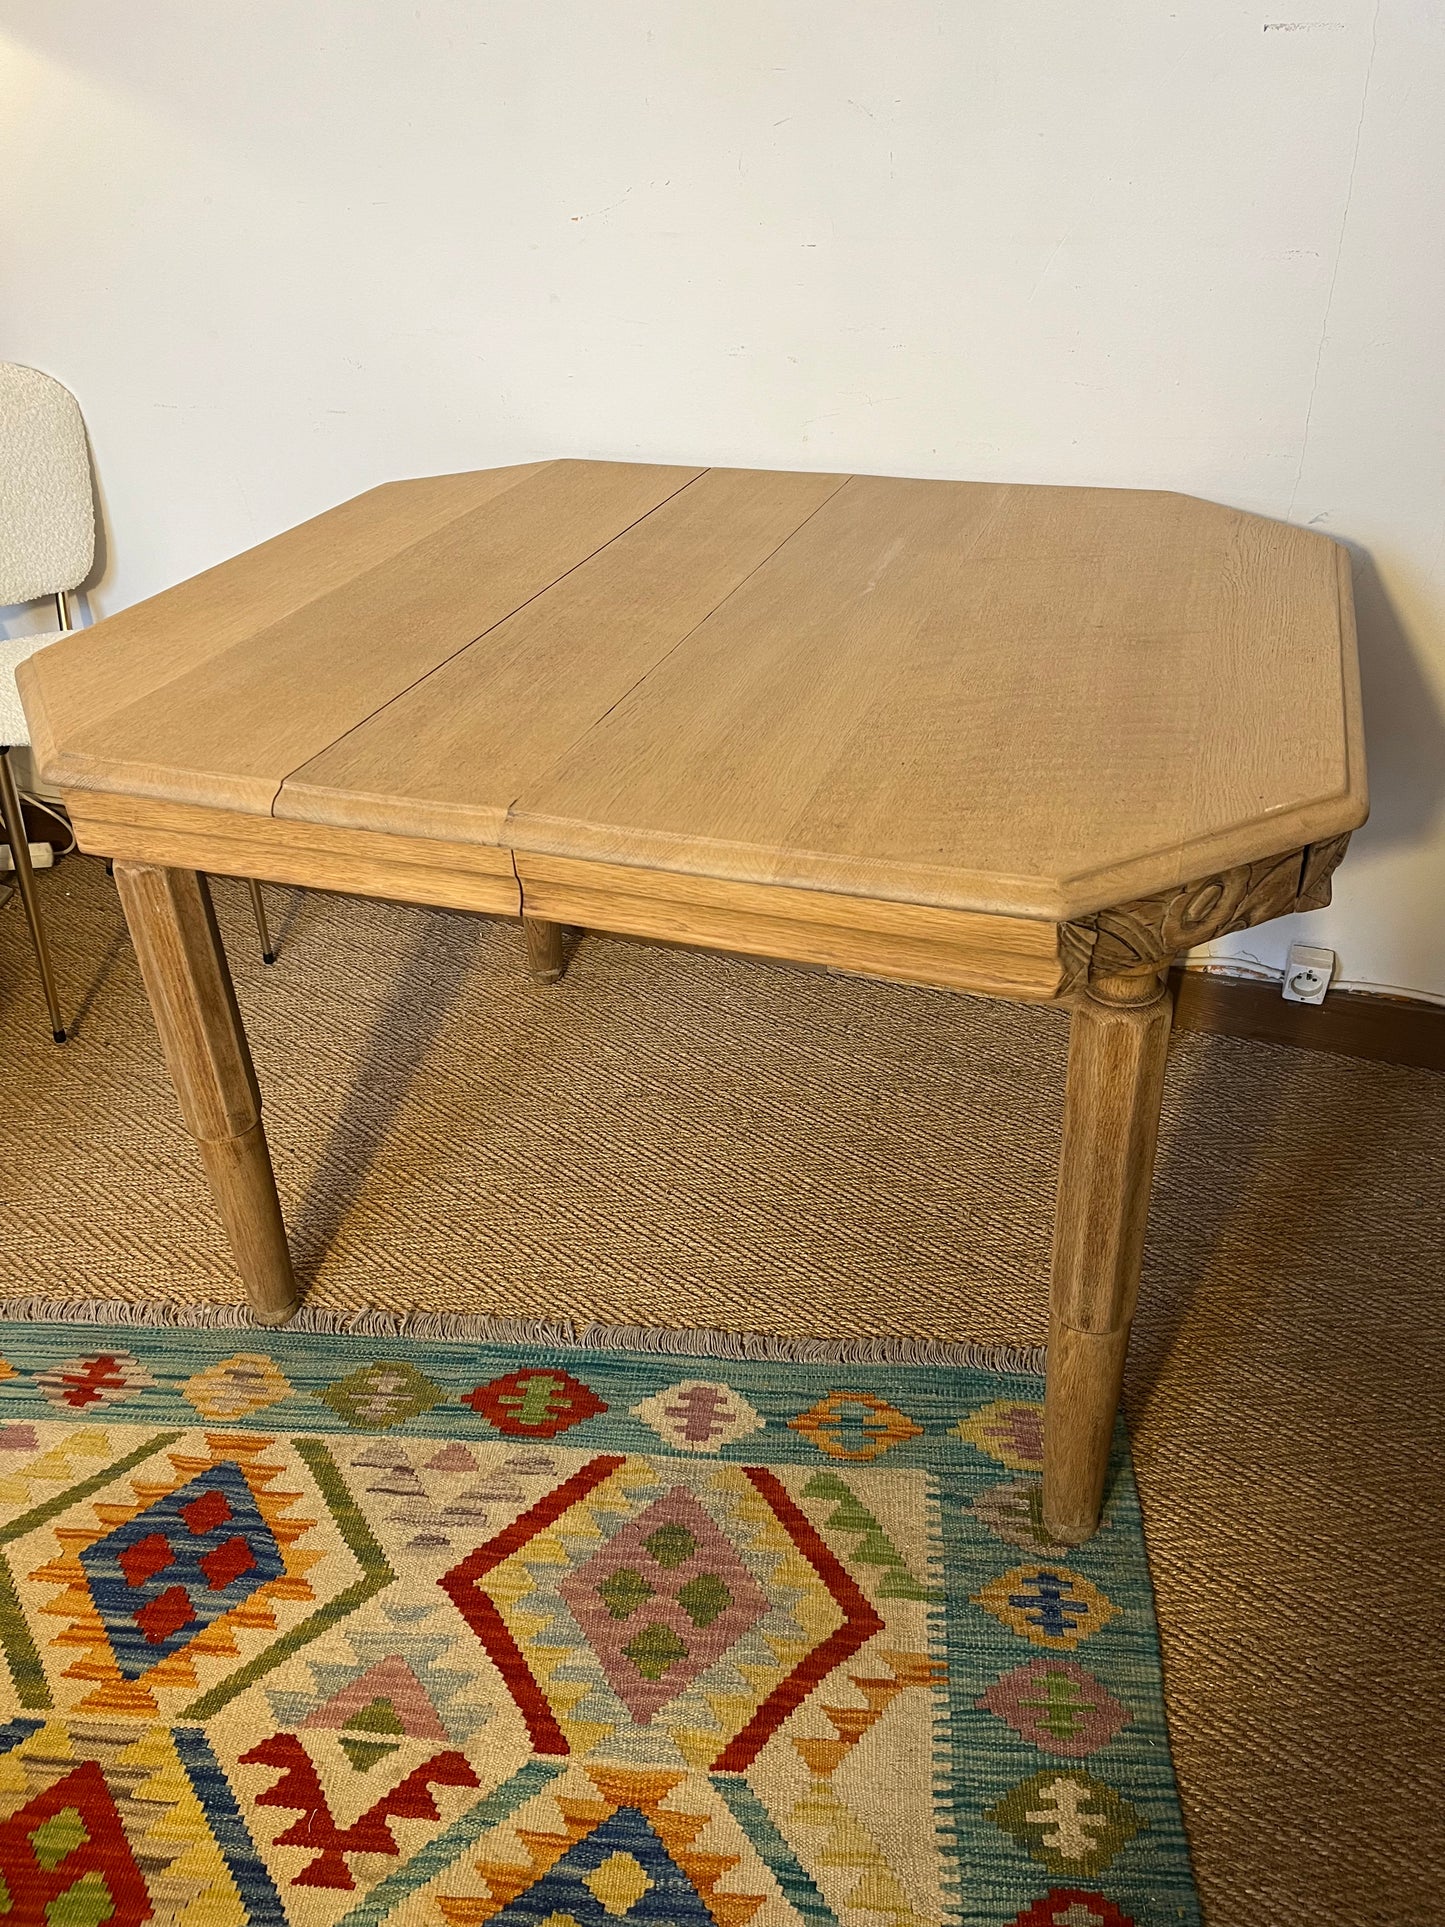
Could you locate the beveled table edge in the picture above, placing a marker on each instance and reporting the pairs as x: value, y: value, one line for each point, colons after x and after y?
x: 1019, y: 957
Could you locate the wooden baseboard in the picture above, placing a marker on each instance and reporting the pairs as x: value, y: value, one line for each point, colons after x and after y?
x: 1390, y: 1030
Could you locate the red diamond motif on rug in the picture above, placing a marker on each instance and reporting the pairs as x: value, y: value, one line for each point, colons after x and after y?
x: 535, y: 1404
x: 146, y: 1558
x: 162, y: 1617
x: 212, y: 1509
x: 227, y: 1562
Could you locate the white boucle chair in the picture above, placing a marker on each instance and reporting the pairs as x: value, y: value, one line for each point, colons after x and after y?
x: 47, y: 545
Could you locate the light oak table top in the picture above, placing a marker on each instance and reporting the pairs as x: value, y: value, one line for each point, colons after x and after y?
x: 1027, y: 701
x: 1029, y: 741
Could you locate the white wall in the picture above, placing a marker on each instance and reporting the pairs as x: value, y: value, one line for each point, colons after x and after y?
x: 283, y: 252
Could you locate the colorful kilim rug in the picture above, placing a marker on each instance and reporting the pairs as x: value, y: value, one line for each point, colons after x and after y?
x: 305, y: 1627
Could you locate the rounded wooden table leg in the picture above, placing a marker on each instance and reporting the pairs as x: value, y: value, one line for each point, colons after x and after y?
x: 544, y: 949
x: 1117, y: 1046
x: 184, y: 969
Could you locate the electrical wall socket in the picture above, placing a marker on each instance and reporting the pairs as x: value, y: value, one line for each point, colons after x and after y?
x: 42, y: 856
x: 1307, y: 974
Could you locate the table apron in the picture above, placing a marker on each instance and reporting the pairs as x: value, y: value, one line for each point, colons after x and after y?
x: 362, y: 863
x: 1013, y: 957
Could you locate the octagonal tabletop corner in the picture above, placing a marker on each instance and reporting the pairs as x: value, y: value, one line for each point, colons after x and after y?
x: 1036, y: 701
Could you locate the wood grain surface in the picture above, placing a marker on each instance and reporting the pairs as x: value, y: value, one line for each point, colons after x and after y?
x: 183, y: 963
x: 1118, y: 1043
x: 447, y: 758
x: 227, y: 730
x: 983, y: 697
x: 1016, y: 957
x: 95, y: 672
x: 403, y: 869
x: 1016, y: 700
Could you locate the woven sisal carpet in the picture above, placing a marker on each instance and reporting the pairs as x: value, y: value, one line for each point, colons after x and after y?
x: 670, y: 1138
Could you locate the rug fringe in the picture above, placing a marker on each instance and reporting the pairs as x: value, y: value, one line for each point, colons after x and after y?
x: 691, y: 1341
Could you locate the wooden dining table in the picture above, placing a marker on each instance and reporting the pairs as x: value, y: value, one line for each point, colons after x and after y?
x: 1020, y: 742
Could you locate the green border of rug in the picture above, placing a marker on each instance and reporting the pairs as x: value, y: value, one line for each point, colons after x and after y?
x: 981, y: 1760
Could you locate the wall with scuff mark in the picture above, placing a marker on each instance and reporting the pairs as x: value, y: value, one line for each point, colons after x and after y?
x: 281, y: 253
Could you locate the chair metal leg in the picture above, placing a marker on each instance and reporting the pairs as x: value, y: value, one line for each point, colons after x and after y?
x: 258, y: 905
x: 14, y: 820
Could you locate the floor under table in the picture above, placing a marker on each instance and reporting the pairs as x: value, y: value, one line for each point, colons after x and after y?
x: 673, y: 1138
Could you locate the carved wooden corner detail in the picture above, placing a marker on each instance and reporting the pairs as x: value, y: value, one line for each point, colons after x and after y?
x: 1143, y: 937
